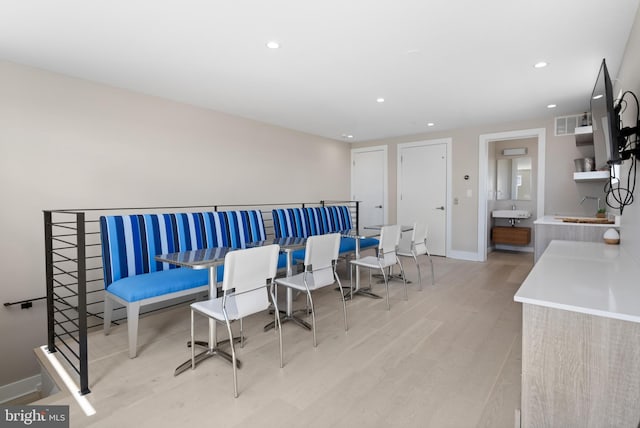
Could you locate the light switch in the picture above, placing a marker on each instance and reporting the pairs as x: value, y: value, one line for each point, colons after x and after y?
x: 469, y: 193
x: 455, y: 201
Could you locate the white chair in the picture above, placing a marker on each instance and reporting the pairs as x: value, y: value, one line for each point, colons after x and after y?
x: 385, y: 259
x: 247, y: 274
x: 414, y: 245
x: 320, y: 258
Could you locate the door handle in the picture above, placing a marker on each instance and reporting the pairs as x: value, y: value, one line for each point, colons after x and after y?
x: 440, y: 208
x: 378, y: 206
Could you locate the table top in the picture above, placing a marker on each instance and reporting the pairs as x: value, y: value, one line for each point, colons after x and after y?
x: 587, y: 277
x: 353, y: 233
x: 403, y: 228
x: 286, y: 244
x: 209, y: 257
x: 196, y: 259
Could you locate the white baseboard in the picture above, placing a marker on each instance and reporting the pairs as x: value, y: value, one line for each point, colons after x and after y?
x: 513, y: 248
x: 464, y: 255
x: 20, y: 388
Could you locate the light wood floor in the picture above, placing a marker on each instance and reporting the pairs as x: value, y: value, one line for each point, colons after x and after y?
x: 450, y: 356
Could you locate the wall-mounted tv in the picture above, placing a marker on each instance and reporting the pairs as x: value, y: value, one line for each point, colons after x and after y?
x: 605, y: 120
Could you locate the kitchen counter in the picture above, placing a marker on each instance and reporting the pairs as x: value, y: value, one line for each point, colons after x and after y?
x: 587, y: 277
x: 551, y: 227
x: 556, y: 220
x: 581, y: 338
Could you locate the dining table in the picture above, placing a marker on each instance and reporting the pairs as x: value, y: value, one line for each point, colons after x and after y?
x: 288, y: 245
x: 374, y: 230
x: 207, y: 258
x: 211, y: 258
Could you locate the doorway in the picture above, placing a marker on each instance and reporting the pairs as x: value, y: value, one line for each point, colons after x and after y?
x: 484, y: 219
x: 423, y: 187
x: 369, y: 184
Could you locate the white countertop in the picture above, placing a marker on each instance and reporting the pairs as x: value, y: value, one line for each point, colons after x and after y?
x: 587, y: 277
x: 557, y: 220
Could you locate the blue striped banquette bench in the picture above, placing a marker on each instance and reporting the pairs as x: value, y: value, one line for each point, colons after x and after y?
x: 130, y: 243
x: 305, y: 222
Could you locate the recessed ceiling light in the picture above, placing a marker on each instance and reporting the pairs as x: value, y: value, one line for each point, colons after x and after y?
x: 347, y: 136
x: 380, y: 100
x: 551, y: 106
x: 540, y: 64
x: 431, y: 124
x: 273, y: 44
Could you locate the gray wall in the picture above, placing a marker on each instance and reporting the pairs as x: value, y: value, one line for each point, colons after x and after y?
x: 562, y: 193
x: 628, y: 79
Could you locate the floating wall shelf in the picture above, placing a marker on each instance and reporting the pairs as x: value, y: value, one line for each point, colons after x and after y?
x: 591, y: 176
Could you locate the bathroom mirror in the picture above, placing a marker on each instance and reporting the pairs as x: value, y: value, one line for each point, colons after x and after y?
x: 513, y: 179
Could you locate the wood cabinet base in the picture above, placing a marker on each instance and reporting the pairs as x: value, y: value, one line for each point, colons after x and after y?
x: 511, y: 235
x: 579, y: 370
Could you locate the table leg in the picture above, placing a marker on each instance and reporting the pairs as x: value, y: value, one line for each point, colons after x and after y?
x: 212, y: 346
x: 289, y: 314
x: 359, y: 290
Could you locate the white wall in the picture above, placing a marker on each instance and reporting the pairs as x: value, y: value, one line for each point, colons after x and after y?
x: 628, y: 79
x: 562, y: 193
x: 69, y: 143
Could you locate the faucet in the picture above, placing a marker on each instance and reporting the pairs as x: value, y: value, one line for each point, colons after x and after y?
x: 593, y: 198
x: 513, y: 207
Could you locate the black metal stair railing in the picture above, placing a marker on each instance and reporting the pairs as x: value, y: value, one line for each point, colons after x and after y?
x: 74, y: 277
x: 66, y: 279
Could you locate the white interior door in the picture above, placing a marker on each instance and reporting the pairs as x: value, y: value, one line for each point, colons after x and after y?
x: 422, y: 190
x: 368, y: 184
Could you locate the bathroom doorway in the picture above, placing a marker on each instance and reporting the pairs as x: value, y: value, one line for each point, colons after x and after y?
x: 500, y: 146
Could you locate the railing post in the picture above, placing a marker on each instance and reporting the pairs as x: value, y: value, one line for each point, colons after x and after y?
x: 82, y: 304
x: 48, y: 255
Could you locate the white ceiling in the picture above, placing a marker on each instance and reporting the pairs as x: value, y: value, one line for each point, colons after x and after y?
x: 455, y: 63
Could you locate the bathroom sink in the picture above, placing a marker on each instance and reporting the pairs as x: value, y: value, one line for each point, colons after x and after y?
x: 511, y: 214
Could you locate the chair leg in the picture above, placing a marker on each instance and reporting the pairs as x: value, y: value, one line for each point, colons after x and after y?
x: 344, y: 303
x: 277, y: 323
x: 241, y: 335
x: 233, y: 356
x: 433, y: 275
x: 313, y: 318
x: 351, y: 282
x: 193, y: 341
x: 133, y: 313
x: 404, y: 279
x: 418, y: 267
x: 108, y: 313
x: 386, y: 285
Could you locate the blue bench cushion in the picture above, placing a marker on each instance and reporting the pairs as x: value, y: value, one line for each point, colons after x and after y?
x: 305, y: 222
x: 290, y: 223
x: 329, y: 219
x: 369, y: 242
x: 347, y: 245
x: 140, y: 287
x: 131, y: 242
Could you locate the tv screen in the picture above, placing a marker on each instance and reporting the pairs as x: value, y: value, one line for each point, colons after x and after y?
x: 604, y: 117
